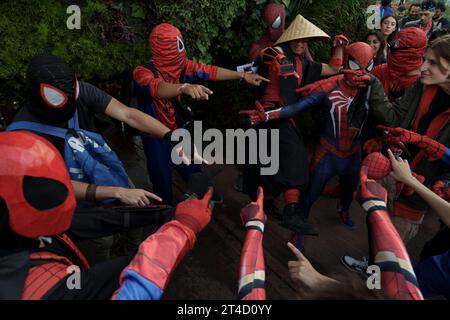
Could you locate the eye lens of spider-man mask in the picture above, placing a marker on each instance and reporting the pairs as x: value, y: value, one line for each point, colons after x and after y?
x: 353, y: 65
x: 180, y: 44
x: 277, y: 23
x: 44, y: 193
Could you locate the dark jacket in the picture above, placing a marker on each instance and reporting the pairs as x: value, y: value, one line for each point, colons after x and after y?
x: 402, y: 113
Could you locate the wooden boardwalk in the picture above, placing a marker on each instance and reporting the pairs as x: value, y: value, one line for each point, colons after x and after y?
x: 210, y: 271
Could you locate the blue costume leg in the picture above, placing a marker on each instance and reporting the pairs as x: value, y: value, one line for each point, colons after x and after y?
x: 159, y: 166
x: 349, y: 179
x: 319, y: 176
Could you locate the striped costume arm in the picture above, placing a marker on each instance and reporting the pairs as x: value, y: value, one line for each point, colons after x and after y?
x: 387, y: 250
x: 251, y: 267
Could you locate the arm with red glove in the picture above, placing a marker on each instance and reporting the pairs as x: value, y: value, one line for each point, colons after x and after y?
x: 387, y: 249
x: 260, y: 115
x: 335, y: 63
x: 251, y: 268
x: 433, y: 149
x: 148, y: 274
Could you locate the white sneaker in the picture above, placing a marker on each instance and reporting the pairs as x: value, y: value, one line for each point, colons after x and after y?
x: 355, y: 265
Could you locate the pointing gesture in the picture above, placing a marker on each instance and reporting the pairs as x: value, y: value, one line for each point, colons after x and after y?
x: 304, y: 274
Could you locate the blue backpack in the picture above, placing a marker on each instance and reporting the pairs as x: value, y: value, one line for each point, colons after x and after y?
x: 87, y: 156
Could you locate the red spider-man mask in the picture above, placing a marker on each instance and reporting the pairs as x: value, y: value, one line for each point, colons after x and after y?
x: 273, y: 16
x: 358, y: 59
x: 406, y: 53
x: 35, y: 187
x: 167, y: 49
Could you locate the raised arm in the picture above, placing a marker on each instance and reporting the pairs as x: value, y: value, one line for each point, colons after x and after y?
x: 387, y: 250
x: 252, y: 267
x: 148, y: 274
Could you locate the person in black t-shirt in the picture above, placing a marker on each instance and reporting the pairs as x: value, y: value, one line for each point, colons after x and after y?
x: 54, y: 93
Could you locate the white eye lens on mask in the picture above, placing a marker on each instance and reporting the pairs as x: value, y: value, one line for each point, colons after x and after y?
x: 180, y: 44
x: 277, y: 23
x: 370, y: 67
x: 353, y: 65
x: 52, y: 96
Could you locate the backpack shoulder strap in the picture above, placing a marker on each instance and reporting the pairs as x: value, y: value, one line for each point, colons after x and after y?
x: 150, y: 66
x: 37, y: 127
x: 73, y: 122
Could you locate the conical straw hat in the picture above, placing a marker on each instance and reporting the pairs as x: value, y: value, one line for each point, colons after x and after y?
x: 301, y: 28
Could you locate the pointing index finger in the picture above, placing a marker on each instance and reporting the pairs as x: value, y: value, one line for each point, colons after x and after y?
x: 295, y: 251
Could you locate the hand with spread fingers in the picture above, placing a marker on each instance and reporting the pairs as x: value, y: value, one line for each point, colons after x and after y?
x: 433, y: 149
x: 195, y: 213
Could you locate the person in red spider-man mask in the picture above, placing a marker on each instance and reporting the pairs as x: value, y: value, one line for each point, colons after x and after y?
x: 274, y: 18
x: 38, y: 224
x: 159, y: 86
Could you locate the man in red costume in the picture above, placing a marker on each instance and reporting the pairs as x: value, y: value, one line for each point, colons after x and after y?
x: 159, y: 87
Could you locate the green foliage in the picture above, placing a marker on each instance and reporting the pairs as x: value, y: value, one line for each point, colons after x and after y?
x: 114, y: 39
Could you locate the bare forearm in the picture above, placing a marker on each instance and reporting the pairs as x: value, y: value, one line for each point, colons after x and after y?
x: 101, y: 193
x: 226, y: 74
x: 169, y: 90
x: 145, y: 123
x: 441, y: 206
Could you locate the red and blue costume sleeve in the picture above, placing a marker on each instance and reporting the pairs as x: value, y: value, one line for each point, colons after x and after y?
x: 251, y: 267
x: 387, y: 250
x: 148, y: 274
x: 196, y: 72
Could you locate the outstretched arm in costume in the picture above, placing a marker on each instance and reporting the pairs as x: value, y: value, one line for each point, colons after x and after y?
x: 251, y: 267
x: 335, y: 63
x: 386, y: 247
x: 260, y: 115
x: 433, y: 149
x: 148, y: 274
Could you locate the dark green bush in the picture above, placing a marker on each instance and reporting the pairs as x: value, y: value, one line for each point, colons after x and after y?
x: 114, y: 38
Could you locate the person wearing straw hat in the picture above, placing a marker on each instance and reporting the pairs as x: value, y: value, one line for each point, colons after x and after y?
x: 287, y: 68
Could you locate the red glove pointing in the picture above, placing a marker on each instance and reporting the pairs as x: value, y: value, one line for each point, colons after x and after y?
x: 195, y: 213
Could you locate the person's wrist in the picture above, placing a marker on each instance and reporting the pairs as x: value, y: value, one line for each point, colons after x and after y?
x: 181, y: 89
x: 189, y: 222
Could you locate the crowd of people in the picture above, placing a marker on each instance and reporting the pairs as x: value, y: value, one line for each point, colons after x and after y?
x: 65, y: 195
